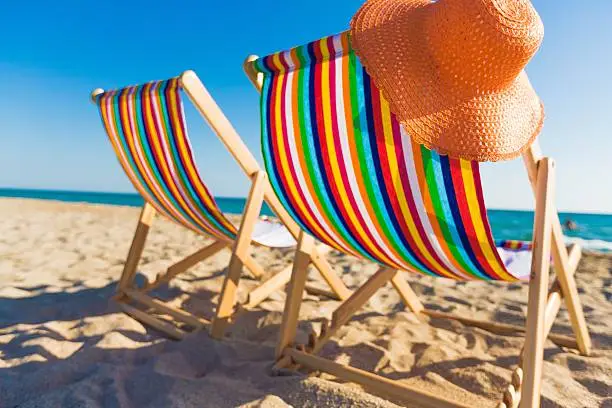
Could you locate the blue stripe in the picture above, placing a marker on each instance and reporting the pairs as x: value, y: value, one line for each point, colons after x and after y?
x: 371, y: 171
x: 378, y: 174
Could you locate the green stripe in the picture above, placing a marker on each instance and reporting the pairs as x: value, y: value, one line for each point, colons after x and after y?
x: 309, y: 155
x: 381, y: 214
x: 435, y: 199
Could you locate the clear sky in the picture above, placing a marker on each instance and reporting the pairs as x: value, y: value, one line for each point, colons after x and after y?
x: 52, y: 54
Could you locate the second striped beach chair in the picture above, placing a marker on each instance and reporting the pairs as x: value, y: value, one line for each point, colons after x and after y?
x: 350, y: 176
x: 146, y: 127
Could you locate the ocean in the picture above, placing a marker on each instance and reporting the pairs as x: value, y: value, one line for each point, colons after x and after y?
x: 594, y: 231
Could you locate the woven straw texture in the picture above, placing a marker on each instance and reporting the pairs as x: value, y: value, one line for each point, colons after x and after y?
x: 452, y: 71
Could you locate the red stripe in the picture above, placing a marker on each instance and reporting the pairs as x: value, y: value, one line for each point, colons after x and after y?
x: 484, y: 215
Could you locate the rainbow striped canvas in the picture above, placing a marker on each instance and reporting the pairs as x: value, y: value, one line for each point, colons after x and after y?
x: 349, y: 174
x: 146, y: 126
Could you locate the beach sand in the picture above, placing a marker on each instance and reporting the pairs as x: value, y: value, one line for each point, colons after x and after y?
x: 64, y: 342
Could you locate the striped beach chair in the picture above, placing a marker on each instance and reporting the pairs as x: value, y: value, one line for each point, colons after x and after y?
x: 146, y: 127
x: 349, y: 175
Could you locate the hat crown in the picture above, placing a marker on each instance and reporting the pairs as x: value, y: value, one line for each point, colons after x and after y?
x: 471, y: 40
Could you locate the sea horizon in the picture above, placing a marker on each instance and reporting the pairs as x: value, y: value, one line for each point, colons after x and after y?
x: 594, y: 229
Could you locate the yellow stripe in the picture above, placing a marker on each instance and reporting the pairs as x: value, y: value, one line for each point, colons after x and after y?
x: 292, y: 89
x: 397, y: 184
x: 476, y: 216
x: 327, y: 120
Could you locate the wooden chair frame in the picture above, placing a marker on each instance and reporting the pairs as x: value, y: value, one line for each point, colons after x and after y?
x: 542, y: 309
x: 260, y: 191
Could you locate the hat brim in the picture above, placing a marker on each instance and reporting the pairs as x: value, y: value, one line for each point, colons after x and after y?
x: 494, y: 127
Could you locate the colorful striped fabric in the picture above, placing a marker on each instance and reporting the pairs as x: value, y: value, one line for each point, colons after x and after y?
x: 146, y: 126
x: 349, y: 175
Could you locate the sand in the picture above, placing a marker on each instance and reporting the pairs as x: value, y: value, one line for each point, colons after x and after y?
x: 63, y: 342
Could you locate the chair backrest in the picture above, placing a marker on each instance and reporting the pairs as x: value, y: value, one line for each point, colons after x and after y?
x: 348, y: 173
x: 146, y: 126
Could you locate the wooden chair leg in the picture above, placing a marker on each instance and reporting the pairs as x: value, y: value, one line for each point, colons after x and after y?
x: 260, y: 293
x: 532, y: 157
x: 410, y: 299
x: 569, y: 289
x: 319, y: 262
x: 240, y: 251
x: 295, y: 290
x: 328, y: 274
x: 538, y: 287
x: 253, y: 267
x: 555, y: 294
x: 349, y: 307
x: 131, y: 263
x: 185, y: 264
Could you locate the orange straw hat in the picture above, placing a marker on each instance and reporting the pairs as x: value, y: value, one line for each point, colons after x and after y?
x: 452, y: 71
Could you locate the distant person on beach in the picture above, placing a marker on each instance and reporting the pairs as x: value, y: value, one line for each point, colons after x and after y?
x: 570, y: 225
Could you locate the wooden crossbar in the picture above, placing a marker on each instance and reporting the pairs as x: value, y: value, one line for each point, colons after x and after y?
x: 348, y: 308
x: 331, y: 278
x: 374, y: 382
x: 167, y: 309
x: 167, y: 328
x: 253, y: 267
x: 316, y: 290
x: 264, y: 290
x: 410, y: 299
x: 186, y: 263
x: 555, y: 294
x: 499, y: 328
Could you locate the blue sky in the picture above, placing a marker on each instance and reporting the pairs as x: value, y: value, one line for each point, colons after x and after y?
x: 54, y: 53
